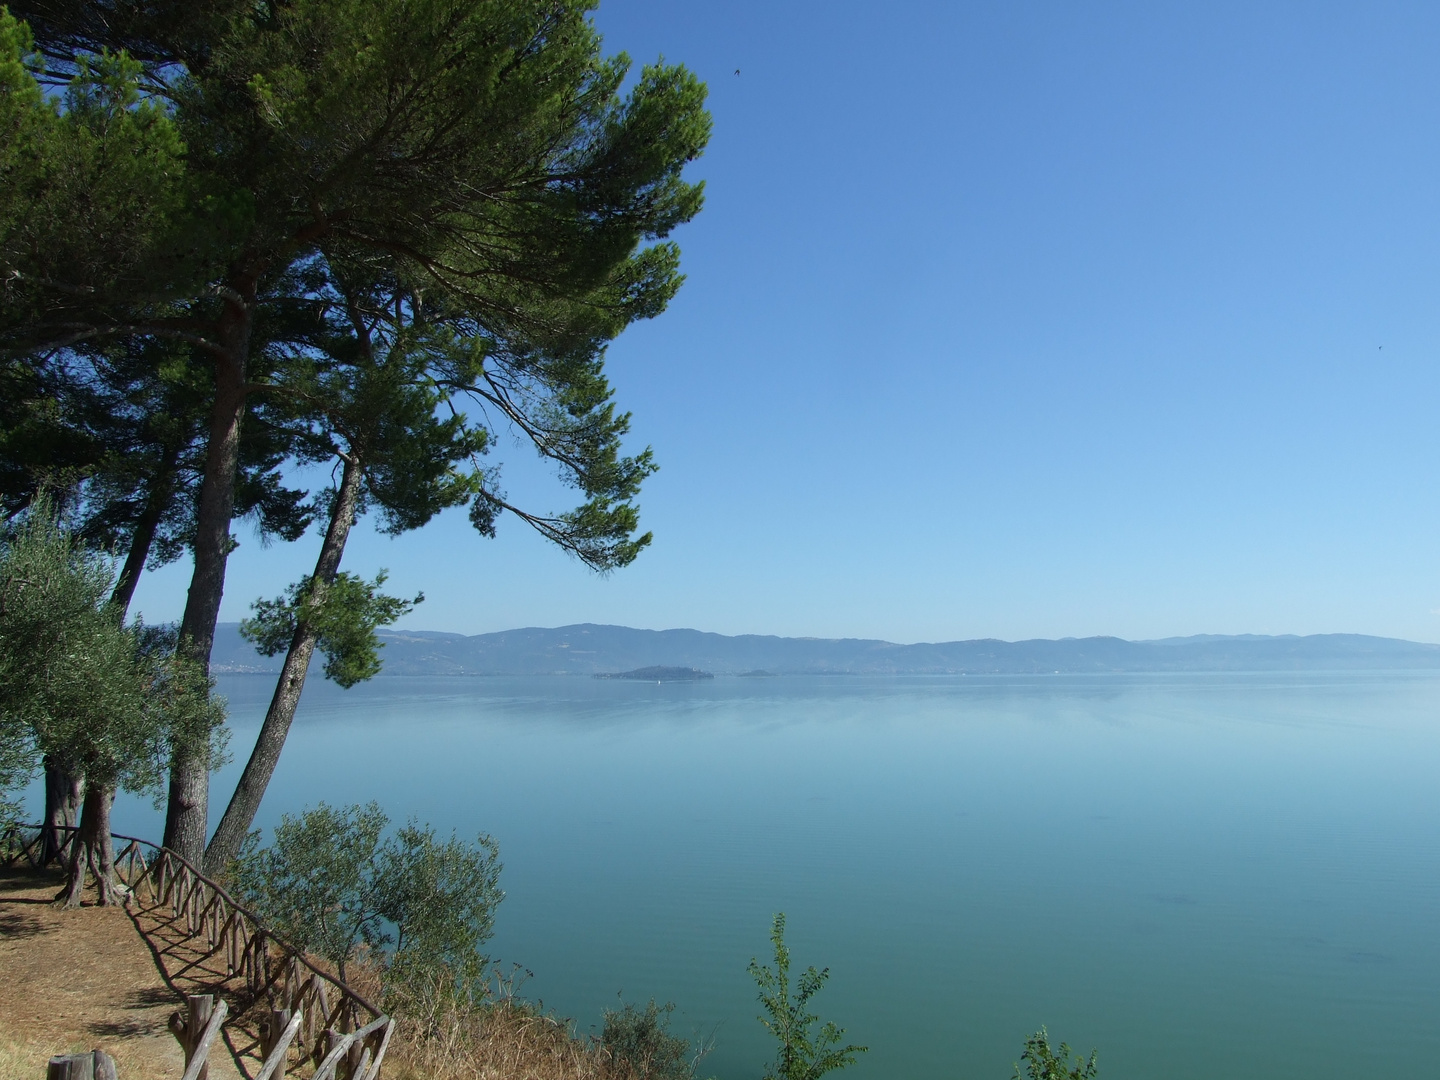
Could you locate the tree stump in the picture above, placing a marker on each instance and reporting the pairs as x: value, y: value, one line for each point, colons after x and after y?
x: 96, y: 1065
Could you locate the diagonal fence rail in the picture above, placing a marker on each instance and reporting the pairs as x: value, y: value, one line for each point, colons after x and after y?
x: 304, y: 1017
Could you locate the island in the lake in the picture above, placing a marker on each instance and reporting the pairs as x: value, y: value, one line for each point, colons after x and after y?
x: 659, y: 674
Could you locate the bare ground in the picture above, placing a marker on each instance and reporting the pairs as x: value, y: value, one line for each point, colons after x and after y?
x: 82, y: 980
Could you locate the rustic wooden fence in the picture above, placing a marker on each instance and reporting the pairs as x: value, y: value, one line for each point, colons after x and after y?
x: 305, y: 1016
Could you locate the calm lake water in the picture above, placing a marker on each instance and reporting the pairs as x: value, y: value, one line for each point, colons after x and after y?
x: 1203, y: 876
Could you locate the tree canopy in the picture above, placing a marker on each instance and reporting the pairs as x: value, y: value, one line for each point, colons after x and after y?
x: 505, y: 186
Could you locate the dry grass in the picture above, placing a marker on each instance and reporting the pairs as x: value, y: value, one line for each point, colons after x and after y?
x: 18, y: 1061
x: 504, y: 1040
x: 25, y: 1059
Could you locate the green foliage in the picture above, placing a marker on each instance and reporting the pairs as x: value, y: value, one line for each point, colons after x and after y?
x: 98, y: 207
x: 641, y: 1038
x: 1043, y: 1063
x: 480, y: 155
x: 487, y: 142
x: 440, y: 896
x: 360, y: 390
x: 180, y: 692
x: 141, y: 408
x: 101, y: 221
x: 801, y: 1055
x: 314, y: 885
x: 334, y: 884
x: 345, y: 619
x: 107, y: 700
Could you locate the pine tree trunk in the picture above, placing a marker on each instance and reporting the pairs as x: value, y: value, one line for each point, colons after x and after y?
x: 64, y: 789
x: 230, y: 833
x: 186, y: 817
x: 94, y: 849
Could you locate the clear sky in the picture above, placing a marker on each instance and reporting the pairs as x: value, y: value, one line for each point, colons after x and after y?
x: 1021, y: 319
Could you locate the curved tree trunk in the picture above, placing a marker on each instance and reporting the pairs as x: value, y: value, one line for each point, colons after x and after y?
x: 64, y: 790
x: 186, y: 816
x: 230, y: 833
x: 94, y: 849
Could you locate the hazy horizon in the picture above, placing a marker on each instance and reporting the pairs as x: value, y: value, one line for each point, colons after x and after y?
x: 872, y: 637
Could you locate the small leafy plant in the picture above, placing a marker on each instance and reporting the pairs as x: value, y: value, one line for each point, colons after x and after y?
x: 801, y: 1055
x: 1043, y: 1063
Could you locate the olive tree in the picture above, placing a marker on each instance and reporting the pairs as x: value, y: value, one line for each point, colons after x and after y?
x: 416, y: 905
x: 108, y: 701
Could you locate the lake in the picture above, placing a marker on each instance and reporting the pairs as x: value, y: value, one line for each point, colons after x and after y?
x: 1232, y: 875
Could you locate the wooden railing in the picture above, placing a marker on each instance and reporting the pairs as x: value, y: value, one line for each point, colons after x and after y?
x: 332, y: 1025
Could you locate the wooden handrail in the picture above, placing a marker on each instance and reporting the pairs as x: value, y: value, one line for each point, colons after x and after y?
x: 220, y: 892
x: 212, y: 914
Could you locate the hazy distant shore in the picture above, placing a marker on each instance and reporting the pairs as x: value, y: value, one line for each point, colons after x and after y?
x: 590, y: 649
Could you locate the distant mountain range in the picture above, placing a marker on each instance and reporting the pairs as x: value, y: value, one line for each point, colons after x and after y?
x: 590, y: 649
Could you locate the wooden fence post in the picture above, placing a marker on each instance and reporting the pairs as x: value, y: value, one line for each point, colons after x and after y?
x: 333, y: 1039
x: 273, y: 1028
x: 274, y: 1066
x: 200, y: 1007
x: 199, y: 1055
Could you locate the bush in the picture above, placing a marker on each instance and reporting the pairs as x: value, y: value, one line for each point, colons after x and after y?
x: 97, y: 699
x: 641, y: 1039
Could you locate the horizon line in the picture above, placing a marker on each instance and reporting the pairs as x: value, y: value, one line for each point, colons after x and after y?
x: 900, y: 644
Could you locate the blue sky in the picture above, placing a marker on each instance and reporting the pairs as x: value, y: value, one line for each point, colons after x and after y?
x: 1018, y: 319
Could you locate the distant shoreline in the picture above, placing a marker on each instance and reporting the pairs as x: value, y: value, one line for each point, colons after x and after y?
x: 617, y: 651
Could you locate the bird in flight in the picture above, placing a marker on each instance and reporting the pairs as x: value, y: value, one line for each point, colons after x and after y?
x: 737, y: 71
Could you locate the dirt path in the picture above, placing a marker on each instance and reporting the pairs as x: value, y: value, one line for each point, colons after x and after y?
x: 80, y: 980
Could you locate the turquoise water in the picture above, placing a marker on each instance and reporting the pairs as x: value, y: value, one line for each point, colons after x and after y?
x: 1203, y: 876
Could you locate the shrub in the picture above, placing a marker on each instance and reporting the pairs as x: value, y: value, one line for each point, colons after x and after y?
x: 642, y: 1040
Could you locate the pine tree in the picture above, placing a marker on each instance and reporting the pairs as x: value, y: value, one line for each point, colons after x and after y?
x: 482, y: 148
